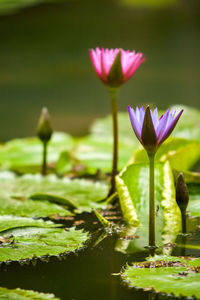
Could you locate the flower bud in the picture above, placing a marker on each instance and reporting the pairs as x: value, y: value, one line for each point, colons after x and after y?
x: 44, y: 130
x: 182, y: 194
x: 149, y: 139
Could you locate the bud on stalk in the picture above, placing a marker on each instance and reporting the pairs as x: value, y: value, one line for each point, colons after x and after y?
x: 182, y: 198
x: 44, y: 132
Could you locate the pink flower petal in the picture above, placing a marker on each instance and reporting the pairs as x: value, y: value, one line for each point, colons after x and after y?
x: 95, y: 56
x: 103, y: 60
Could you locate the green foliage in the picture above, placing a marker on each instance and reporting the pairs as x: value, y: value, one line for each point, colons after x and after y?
x: 133, y: 189
x: 182, y: 154
x: 194, y: 201
x: 11, y: 222
x: 101, y: 219
x: 169, y: 275
x: 19, y: 294
x: 188, y: 125
x: 95, y: 151
x: 24, y: 238
x: 25, y: 155
x: 15, y: 194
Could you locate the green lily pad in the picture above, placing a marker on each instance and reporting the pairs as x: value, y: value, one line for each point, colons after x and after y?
x: 186, y: 128
x: 79, y: 194
x: 95, y: 150
x: 194, y: 202
x: 19, y: 294
x: 189, y: 123
x: 30, y: 208
x: 103, y: 127
x: 182, y: 154
x: 133, y: 189
x: 95, y: 153
x: 169, y: 275
x: 24, y: 238
x: 10, y: 222
x: 25, y: 155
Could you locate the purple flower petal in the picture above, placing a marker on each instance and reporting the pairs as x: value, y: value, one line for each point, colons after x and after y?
x: 162, y: 125
x: 170, y: 127
x: 134, y: 122
x: 155, y: 119
x: 142, y: 114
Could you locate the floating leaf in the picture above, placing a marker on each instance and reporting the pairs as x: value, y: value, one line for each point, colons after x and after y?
x: 182, y: 154
x: 189, y: 123
x: 19, y: 294
x: 10, y: 222
x: 72, y: 193
x: 95, y: 150
x: 133, y: 189
x: 25, y: 155
x: 28, y: 238
x: 189, y: 177
x: 30, y: 208
x: 169, y: 275
x: 103, y: 127
x: 194, y: 201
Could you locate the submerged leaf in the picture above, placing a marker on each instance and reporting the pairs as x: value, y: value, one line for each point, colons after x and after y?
x: 169, y: 275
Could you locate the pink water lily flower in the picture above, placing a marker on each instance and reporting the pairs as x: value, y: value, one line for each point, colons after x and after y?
x: 151, y: 130
x: 115, y: 66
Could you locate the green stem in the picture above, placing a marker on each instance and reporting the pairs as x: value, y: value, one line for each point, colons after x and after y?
x: 44, y: 162
x: 113, y: 98
x: 151, y: 202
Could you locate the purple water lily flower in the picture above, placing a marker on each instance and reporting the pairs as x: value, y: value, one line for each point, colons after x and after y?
x: 151, y: 130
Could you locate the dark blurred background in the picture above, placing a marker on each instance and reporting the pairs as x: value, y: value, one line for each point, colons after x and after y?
x: 44, y: 58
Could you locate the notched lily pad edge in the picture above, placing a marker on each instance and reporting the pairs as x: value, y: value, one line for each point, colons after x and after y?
x: 152, y: 261
x: 47, y: 258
